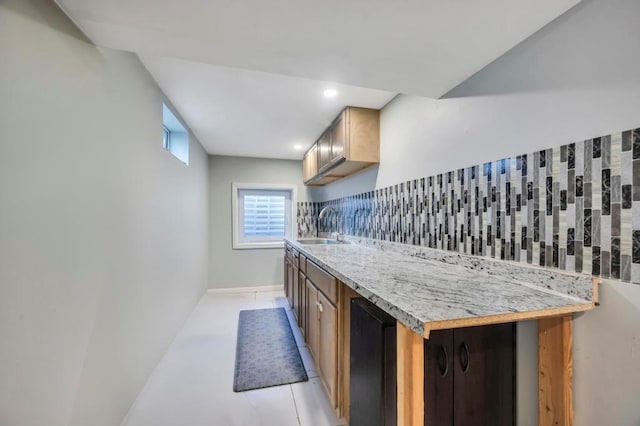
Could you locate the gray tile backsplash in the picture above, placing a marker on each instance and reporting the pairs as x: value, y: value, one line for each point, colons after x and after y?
x: 574, y: 207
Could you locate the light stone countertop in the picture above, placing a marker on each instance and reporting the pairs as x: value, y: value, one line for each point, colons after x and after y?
x: 429, y: 289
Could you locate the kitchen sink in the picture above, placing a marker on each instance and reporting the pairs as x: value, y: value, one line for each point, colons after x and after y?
x: 320, y: 241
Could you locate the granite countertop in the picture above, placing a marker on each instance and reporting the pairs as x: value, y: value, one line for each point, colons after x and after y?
x: 429, y: 289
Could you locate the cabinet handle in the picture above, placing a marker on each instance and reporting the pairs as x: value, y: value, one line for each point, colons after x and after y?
x: 464, y: 357
x: 443, y: 361
x: 320, y: 307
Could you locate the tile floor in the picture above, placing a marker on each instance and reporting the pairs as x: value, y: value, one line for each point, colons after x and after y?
x: 192, y: 385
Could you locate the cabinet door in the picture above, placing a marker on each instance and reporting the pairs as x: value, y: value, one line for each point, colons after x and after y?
x: 484, y: 375
x: 339, y: 137
x: 324, y: 147
x: 313, y: 161
x: 438, y: 386
x: 310, y: 164
x: 329, y: 346
x: 286, y: 274
x: 305, y: 168
x: 295, y: 307
x: 289, y: 282
x: 313, y: 321
x: 302, y: 316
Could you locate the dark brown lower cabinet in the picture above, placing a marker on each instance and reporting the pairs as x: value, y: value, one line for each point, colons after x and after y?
x: 470, y: 376
x: 372, y: 385
x: 438, y: 381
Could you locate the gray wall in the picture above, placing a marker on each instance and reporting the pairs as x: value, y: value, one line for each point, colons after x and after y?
x: 244, y: 268
x: 575, y: 79
x: 103, y: 234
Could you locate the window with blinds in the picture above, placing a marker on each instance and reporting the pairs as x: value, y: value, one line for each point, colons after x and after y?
x: 262, y: 216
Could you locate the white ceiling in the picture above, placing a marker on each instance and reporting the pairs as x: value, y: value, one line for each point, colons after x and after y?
x: 253, y: 114
x: 420, y: 47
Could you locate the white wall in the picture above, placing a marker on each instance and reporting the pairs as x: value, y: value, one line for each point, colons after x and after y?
x: 575, y: 79
x: 606, y: 357
x: 103, y: 234
x: 244, y: 268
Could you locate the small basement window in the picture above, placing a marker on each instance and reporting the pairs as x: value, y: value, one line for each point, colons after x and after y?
x: 262, y: 215
x: 175, y: 137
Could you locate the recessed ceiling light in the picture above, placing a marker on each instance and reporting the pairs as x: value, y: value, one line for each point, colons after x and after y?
x: 330, y: 93
x: 297, y: 147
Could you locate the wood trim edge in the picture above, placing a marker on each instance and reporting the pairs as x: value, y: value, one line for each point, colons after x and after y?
x: 596, y: 290
x: 502, y: 318
x: 410, y: 379
x: 555, y: 371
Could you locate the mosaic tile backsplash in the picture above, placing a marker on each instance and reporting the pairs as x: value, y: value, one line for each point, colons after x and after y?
x: 575, y: 207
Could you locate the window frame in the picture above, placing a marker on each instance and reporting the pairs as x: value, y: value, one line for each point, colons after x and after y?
x: 176, y: 138
x: 166, y: 138
x: 290, y: 228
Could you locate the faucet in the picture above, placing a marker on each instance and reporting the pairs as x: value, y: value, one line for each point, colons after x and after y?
x: 321, y: 216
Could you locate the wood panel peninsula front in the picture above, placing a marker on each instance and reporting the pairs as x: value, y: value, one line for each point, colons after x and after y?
x: 427, y: 290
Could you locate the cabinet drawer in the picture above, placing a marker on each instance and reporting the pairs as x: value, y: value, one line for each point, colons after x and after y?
x: 325, y: 282
x: 303, y: 263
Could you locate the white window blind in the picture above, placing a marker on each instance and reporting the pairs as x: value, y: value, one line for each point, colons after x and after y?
x: 262, y: 215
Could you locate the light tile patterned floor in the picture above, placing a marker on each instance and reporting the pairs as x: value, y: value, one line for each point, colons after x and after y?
x: 192, y: 385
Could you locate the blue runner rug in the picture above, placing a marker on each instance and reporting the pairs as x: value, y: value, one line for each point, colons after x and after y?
x: 266, y: 351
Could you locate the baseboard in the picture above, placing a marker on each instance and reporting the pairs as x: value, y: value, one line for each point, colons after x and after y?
x: 257, y: 289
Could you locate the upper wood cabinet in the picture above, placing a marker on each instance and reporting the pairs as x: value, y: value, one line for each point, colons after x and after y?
x: 338, y: 138
x: 350, y: 144
x: 324, y: 148
x: 310, y: 167
x: 310, y: 163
